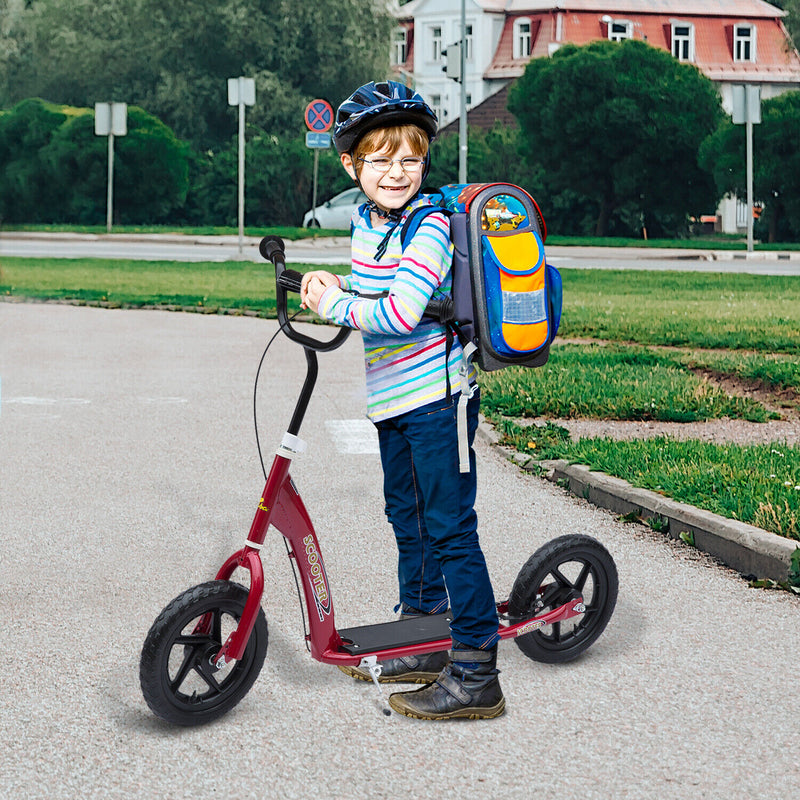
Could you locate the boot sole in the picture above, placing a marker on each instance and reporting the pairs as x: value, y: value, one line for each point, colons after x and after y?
x: 469, y: 712
x: 405, y: 677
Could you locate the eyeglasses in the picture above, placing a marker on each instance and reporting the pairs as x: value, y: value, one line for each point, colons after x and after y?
x: 383, y: 164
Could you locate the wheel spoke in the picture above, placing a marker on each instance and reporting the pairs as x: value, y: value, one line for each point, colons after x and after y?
x: 585, y: 572
x: 192, y: 639
x: 187, y: 665
x: 216, y: 626
x: 559, y: 576
x: 206, y: 672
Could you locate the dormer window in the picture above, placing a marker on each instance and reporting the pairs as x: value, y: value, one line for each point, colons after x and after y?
x: 619, y: 29
x: 523, y: 39
x: 744, y: 43
x: 683, y: 41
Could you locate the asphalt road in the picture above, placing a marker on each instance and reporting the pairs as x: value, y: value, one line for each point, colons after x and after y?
x: 337, y: 251
x: 128, y: 473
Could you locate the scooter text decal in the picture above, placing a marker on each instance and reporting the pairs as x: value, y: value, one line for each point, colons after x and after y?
x: 531, y: 626
x: 318, y: 578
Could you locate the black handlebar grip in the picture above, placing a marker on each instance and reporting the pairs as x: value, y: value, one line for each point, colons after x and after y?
x: 440, y: 309
x: 270, y: 246
x: 291, y: 280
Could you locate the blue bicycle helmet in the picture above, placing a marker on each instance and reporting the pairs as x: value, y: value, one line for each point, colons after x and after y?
x: 379, y: 104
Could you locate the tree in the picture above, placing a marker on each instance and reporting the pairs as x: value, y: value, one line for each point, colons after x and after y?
x: 175, y: 58
x: 619, y: 124
x: 493, y: 155
x: 776, y: 162
x: 792, y: 18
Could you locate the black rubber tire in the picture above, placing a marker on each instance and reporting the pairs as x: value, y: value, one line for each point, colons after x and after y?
x: 178, y: 680
x: 573, y: 562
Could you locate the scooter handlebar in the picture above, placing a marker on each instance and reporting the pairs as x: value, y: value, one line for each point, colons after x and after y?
x: 289, y: 280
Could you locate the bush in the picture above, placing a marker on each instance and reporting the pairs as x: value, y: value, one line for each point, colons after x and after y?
x: 58, y: 168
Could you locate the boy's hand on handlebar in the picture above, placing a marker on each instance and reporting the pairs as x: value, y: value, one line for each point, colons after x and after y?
x: 314, y: 285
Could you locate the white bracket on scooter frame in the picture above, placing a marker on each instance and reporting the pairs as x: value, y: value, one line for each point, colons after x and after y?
x: 371, y: 664
x: 291, y: 446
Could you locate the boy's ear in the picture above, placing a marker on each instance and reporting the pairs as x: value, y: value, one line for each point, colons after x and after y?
x: 347, y: 163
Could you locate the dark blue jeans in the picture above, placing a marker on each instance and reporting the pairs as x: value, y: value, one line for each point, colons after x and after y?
x: 430, y: 505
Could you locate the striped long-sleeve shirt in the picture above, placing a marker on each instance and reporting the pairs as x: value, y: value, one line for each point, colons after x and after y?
x: 405, y: 355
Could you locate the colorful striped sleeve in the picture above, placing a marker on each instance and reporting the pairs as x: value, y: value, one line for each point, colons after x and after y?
x: 422, y: 268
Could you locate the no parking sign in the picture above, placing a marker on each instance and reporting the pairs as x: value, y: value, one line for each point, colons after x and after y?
x: 319, y: 116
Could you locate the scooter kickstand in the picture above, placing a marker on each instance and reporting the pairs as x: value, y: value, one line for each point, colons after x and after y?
x: 370, y: 663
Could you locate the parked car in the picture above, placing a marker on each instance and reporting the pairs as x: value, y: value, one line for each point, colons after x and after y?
x: 336, y: 212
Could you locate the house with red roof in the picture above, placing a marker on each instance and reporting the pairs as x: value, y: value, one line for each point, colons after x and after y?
x: 731, y: 41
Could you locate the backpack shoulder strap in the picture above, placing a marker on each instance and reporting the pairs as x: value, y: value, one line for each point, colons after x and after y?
x: 415, y: 219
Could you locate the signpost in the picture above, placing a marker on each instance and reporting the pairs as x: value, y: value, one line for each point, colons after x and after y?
x: 241, y: 92
x: 319, y: 119
x: 747, y: 112
x: 110, y: 119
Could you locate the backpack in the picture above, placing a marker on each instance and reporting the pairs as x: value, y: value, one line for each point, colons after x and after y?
x: 506, y: 299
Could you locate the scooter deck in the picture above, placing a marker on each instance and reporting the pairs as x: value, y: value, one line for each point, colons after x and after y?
x: 399, y: 633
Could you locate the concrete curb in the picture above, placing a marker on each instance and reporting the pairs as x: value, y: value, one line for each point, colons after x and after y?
x: 749, y: 550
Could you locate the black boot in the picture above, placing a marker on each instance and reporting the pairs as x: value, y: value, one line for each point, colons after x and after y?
x: 406, y: 669
x: 467, y: 688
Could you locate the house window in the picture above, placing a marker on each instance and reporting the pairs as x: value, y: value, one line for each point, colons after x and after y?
x: 399, y: 46
x: 522, y: 37
x: 436, y: 42
x: 468, y: 42
x: 435, y: 102
x: 744, y: 43
x: 683, y: 41
x: 619, y: 30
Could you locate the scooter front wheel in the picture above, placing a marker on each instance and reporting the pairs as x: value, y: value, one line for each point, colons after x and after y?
x: 557, y: 572
x: 178, y: 676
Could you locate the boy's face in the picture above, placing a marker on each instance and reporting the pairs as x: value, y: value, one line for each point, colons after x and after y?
x: 394, y: 188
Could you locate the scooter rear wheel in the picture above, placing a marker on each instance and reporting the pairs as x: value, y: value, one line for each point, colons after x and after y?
x: 556, y: 572
x: 179, y: 680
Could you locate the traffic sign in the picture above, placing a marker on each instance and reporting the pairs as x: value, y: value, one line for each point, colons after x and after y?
x: 321, y: 140
x: 319, y: 116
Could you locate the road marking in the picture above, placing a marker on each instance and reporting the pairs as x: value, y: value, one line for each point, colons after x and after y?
x: 164, y: 401
x: 353, y: 436
x: 48, y: 401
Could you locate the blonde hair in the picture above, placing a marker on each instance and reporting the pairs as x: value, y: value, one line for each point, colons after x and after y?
x: 392, y: 139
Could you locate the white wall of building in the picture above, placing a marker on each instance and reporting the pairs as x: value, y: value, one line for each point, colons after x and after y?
x: 429, y: 79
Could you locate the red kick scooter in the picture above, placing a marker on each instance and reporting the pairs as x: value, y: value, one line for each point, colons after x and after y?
x: 206, y: 648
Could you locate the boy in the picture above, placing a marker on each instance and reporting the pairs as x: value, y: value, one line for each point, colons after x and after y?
x: 382, y: 133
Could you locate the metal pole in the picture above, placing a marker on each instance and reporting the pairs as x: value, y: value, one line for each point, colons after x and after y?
x: 110, y: 191
x: 749, y: 127
x: 314, y: 190
x: 241, y: 170
x: 462, y: 119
